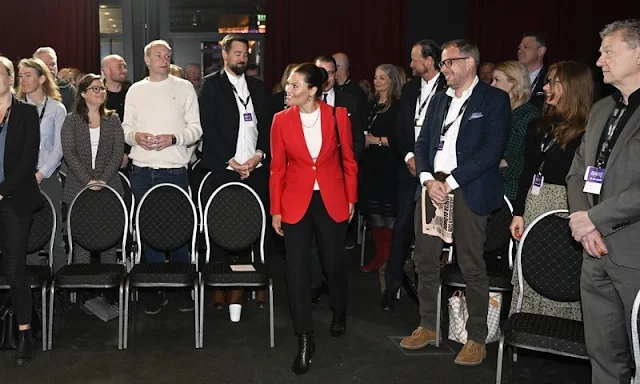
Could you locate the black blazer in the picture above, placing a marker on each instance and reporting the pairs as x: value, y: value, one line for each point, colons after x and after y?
x: 405, y: 139
x: 220, y: 118
x: 21, y: 158
x: 483, y: 134
x: 536, y: 100
x: 349, y: 102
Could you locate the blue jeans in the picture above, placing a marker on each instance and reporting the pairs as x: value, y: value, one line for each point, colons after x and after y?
x: 143, y: 179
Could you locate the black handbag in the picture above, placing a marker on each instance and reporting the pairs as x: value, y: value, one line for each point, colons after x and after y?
x: 8, y: 327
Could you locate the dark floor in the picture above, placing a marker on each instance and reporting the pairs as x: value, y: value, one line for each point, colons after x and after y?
x: 162, y: 351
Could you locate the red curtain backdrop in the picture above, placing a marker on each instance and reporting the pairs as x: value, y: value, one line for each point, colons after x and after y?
x: 573, y: 25
x: 370, y: 32
x: 71, y: 27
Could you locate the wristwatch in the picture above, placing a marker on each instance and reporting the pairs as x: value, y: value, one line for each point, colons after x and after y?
x: 174, y: 140
x: 380, y: 142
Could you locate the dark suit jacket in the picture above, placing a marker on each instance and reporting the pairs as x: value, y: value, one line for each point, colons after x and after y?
x: 220, y: 118
x: 404, y: 140
x: 538, y: 101
x: 483, y: 134
x: 21, y: 158
x: 349, y: 102
x: 76, y: 148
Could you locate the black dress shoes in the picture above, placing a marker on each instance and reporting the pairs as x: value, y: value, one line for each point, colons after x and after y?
x: 306, y: 348
x: 25, y: 350
x: 338, y: 323
x: 315, y: 295
x: 388, y: 302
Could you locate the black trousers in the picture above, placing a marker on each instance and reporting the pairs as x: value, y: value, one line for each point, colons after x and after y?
x: 297, y: 240
x: 14, y: 237
x: 402, y: 235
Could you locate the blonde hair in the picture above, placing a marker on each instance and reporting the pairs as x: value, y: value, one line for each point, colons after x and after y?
x: 49, y: 86
x: 176, y: 71
x: 396, y: 84
x: 147, y: 48
x: 8, y: 65
x: 517, y: 75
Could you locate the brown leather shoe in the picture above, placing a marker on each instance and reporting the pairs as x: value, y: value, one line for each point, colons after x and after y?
x: 261, y: 297
x: 235, y: 296
x: 471, y: 354
x: 419, y: 339
x: 217, y: 299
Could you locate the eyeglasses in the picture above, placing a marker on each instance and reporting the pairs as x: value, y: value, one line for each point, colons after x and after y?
x: 97, y: 89
x: 551, y: 81
x: 449, y: 62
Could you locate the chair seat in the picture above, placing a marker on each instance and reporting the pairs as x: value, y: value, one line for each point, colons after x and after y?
x: 163, y: 274
x: 90, y: 275
x: 221, y: 274
x: 36, y: 276
x: 499, y: 278
x: 547, y: 333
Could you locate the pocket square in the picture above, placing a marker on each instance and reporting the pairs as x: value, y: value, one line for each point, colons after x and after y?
x: 476, y: 115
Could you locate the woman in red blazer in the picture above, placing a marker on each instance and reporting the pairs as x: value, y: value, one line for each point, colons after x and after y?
x: 312, y: 192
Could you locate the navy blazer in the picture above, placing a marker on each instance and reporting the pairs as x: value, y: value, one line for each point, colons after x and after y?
x: 480, y: 145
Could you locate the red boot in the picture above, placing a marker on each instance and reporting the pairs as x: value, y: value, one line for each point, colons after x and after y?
x: 382, y: 243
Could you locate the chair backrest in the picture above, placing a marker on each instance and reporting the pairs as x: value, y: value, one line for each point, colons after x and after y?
x: 166, y: 220
x: 234, y: 218
x: 497, y: 232
x: 634, y: 338
x: 204, y: 192
x: 97, y: 220
x: 549, y: 259
x: 43, y: 228
x: 129, y: 199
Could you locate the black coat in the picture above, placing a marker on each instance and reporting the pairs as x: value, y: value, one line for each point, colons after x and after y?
x: 21, y: 158
x: 538, y: 100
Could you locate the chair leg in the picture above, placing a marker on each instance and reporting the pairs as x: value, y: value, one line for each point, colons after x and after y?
x: 364, y: 241
x: 45, y: 319
x: 126, y: 314
x: 52, y: 289
x: 359, y: 236
x: 515, y: 354
x: 196, y: 312
x: 500, y: 356
x: 201, y: 303
x: 271, y: 317
x: 438, y: 316
x: 120, y: 322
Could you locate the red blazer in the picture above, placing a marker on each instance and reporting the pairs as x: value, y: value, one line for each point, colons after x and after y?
x: 293, y: 172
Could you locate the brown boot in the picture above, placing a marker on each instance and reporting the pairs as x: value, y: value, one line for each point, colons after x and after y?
x: 217, y: 299
x: 235, y: 296
x: 261, y: 297
x: 471, y: 354
x: 419, y: 339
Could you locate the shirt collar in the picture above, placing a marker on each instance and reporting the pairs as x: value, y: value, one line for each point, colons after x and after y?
x: 535, y: 73
x: 452, y: 93
x: 331, y: 92
x: 233, y: 79
x: 37, y: 105
x: 431, y: 82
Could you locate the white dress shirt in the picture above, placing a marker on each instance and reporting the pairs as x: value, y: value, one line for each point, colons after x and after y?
x: 247, y: 130
x: 312, y: 129
x: 446, y: 160
x: 50, y: 155
x: 94, y: 135
x: 331, y: 96
x: 532, y: 78
x: 427, y: 89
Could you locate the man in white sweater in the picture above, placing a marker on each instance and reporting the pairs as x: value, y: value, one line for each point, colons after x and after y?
x: 162, y: 126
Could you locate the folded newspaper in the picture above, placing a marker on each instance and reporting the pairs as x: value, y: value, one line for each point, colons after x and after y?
x: 441, y: 224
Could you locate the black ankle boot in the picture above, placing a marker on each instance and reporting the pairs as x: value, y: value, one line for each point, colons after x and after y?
x: 25, y: 350
x: 306, y: 348
x: 338, y: 323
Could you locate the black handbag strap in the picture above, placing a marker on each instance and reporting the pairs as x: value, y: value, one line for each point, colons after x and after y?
x: 335, y: 126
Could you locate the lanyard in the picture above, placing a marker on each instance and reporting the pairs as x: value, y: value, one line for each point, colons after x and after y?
x: 4, y: 120
x: 373, y: 116
x: 44, y: 108
x: 545, y: 146
x: 535, y: 82
x: 243, y: 102
x: 426, y: 101
x: 612, y: 124
x: 445, y: 127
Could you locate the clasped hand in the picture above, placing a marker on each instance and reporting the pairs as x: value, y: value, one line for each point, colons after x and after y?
x: 438, y: 191
x: 153, y: 142
x: 584, y: 231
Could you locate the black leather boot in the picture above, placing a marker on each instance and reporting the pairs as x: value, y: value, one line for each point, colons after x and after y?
x: 306, y: 348
x: 25, y: 350
x: 338, y: 323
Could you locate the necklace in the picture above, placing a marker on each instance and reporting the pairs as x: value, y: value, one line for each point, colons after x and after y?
x: 317, y: 112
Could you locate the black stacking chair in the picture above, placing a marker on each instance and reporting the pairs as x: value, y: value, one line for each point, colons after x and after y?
x: 204, y: 192
x: 129, y: 202
x: 498, y: 243
x: 165, y: 220
x: 634, y: 338
x: 235, y: 219
x: 550, y: 261
x: 41, y: 236
x: 96, y: 221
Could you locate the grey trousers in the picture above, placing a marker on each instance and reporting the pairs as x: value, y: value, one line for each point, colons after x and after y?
x: 607, y: 292
x: 469, y: 232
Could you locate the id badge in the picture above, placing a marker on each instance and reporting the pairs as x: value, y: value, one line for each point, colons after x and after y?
x: 441, y: 143
x: 248, y: 117
x: 536, y: 184
x: 594, y: 178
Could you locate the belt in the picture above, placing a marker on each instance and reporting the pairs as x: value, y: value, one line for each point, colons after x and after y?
x: 158, y: 169
x: 440, y: 176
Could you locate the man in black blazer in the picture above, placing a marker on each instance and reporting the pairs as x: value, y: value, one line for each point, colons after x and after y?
x: 531, y: 51
x: 414, y: 101
x: 458, y: 152
x: 236, y: 122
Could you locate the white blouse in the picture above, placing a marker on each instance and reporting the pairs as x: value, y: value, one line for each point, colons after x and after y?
x: 95, y: 140
x: 312, y: 129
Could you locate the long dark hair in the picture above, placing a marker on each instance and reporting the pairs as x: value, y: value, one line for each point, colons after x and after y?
x: 81, y: 105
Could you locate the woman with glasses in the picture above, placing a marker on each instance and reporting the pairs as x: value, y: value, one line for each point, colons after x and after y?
x: 93, y: 145
x: 550, y: 145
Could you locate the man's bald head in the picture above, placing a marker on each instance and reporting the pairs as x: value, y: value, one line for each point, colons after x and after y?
x: 114, y: 69
x: 342, y: 62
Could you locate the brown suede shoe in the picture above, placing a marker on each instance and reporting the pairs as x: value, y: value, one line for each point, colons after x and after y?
x: 261, y: 297
x: 235, y: 296
x: 471, y: 354
x: 419, y: 339
x: 217, y: 299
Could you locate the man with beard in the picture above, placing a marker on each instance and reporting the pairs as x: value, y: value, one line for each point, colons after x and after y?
x: 114, y: 70
x: 236, y: 123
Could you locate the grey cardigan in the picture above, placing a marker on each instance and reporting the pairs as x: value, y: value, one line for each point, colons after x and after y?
x: 76, y: 149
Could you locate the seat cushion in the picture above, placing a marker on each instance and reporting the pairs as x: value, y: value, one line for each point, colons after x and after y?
x: 90, y: 274
x: 546, y: 333
x: 36, y: 276
x: 499, y: 278
x: 163, y: 274
x: 221, y: 274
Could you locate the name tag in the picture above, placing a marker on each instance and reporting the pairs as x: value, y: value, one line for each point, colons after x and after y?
x: 441, y: 143
x: 594, y: 178
x: 248, y: 116
x: 536, y: 184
